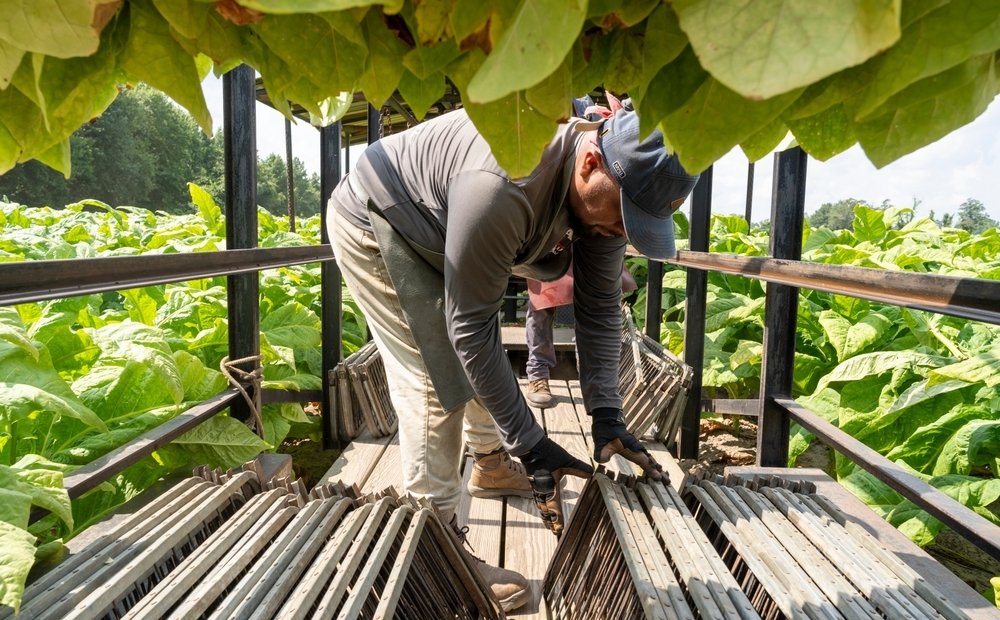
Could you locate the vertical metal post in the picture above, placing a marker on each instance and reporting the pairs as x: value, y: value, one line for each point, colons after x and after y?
x: 750, y: 170
x: 289, y: 175
x: 347, y: 150
x: 694, y: 315
x: 374, y: 124
x: 781, y: 308
x: 654, y: 298
x: 329, y: 176
x: 240, y: 148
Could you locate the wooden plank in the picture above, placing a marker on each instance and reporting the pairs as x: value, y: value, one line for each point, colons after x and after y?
x: 388, y: 471
x: 484, y: 518
x: 513, y: 338
x: 669, y: 463
x: 527, y: 549
x: 562, y: 425
x: 356, y: 462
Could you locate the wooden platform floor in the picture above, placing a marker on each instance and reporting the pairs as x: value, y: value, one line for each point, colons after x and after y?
x: 503, y: 532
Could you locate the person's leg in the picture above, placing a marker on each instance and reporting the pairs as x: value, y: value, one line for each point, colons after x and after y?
x: 494, y: 473
x: 538, y: 326
x: 538, y: 335
x: 430, y: 439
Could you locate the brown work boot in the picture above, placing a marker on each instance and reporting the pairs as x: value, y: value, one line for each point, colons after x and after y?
x: 510, y: 588
x: 539, y: 394
x: 497, y: 475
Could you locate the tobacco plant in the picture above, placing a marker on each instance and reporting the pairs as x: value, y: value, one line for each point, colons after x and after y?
x: 82, y: 376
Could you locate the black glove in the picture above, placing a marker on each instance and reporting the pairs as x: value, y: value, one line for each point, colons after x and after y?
x: 611, y: 438
x: 546, y: 464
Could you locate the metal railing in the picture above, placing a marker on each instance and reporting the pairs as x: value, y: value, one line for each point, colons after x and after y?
x: 784, y: 273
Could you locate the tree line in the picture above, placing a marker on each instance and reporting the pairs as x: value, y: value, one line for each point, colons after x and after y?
x: 971, y: 216
x: 143, y: 151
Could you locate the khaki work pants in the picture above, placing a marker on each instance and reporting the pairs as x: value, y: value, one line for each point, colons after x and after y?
x: 431, y: 440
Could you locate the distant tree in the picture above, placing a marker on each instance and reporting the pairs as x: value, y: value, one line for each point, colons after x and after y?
x: 272, y: 187
x: 836, y: 215
x: 142, y: 151
x: 972, y: 217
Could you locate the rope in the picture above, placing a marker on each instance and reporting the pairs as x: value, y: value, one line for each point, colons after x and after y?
x: 237, y: 377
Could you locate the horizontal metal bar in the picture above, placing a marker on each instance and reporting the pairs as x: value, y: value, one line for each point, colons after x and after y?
x: 977, y: 529
x: 30, y: 281
x: 101, y: 469
x: 731, y: 406
x: 968, y: 298
x: 269, y: 396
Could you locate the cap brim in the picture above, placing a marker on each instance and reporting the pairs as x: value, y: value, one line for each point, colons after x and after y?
x: 652, y: 236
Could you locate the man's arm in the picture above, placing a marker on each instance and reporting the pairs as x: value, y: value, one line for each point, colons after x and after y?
x: 597, y: 265
x: 597, y: 268
x: 488, y: 221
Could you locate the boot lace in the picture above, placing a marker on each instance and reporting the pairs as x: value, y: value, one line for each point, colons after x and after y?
x: 539, y: 385
x: 512, y: 465
x: 463, y: 535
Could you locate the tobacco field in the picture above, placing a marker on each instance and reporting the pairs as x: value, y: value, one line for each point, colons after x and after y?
x: 82, y: 376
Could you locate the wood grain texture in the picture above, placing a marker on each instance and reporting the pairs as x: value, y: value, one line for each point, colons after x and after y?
x: 356, y: 462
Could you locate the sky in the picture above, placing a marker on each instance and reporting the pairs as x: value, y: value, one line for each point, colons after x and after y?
x: 964, y: 164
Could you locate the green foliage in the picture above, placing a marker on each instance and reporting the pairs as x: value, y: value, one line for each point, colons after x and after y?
x: 80, y: 377
x: 143, y: 151
x: 272, y: 187
x: 892, y: 75
x: 836, y: 215
x: 972, y: 216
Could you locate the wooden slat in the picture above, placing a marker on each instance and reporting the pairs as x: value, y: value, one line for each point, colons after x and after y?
x: 356, y: 462
x: 484, y: 518
x: 527, y: 549
x: 563, y: 427
x: 388, y: 471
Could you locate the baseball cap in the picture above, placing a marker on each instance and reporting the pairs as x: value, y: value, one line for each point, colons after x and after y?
x: 653, y: 183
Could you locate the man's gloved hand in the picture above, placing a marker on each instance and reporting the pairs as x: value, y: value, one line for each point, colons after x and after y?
x: 547, y: 463
x: 611, y: 438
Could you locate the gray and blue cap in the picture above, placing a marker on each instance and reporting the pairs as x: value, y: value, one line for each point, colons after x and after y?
x: 653, y: 183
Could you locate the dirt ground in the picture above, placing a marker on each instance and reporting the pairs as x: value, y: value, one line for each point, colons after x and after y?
x: 309, y: 460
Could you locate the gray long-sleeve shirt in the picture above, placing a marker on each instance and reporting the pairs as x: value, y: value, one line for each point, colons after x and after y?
x: 440, y: 187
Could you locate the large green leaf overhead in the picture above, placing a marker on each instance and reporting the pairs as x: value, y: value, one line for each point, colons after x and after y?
x: 532, y: 47
x: 60, y: 28
x: 773, y: 46
x: 892, y: 75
